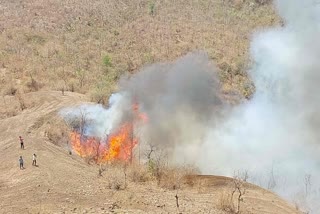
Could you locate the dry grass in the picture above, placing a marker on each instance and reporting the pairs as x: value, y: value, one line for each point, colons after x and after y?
x: 139, y: 174
x: 117, y: 181
x: 9, y: 107
x: 56, y: 130
x: 13, y: 102
x: 116, y: 175
x: 225, y: 202
x: 119, y: 174
x: 174, y: 178
x: 62, y: 44
x: 9, y: 90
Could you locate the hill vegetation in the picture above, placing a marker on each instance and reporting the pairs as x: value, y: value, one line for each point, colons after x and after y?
x: 85, y: 46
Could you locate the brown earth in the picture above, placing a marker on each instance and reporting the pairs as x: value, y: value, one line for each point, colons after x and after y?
x: 64, y: 183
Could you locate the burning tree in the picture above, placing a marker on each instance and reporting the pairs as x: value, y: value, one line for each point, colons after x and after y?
x: 118, y: 145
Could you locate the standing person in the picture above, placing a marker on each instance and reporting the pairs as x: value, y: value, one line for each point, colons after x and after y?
x: 21, y: 162
x: 21, y: 142
x: 34, y: 160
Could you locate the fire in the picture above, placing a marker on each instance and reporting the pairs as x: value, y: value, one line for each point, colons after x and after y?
x: 141, y: 116
x: 118, y: 145
x: 84, y: 146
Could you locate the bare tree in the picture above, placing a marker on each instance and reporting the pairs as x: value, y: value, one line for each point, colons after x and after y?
x: 239, y: 181
x: 307, y: 183
x: 79, y: 121
x: 83, y: 121
x: 272, y: 181
x: 156, y: 161
x: 150, y: 151
x: 177, y: 201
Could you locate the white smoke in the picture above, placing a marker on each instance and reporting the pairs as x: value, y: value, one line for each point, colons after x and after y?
x: 97, y: 120
x: 274, y: 135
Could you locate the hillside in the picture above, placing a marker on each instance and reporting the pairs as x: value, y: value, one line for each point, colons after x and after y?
x: 84, y: 46
x: 64, y: 183
x: 61, y: 53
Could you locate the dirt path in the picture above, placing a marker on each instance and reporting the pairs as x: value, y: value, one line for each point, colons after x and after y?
x: 64, y: 183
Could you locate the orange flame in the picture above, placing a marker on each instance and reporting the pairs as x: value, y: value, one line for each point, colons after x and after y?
x: 118, y: 146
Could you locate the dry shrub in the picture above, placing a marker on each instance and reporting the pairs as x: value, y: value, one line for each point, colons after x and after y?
x: 190, y: 181
x: 73, y: 85
x: 263, y: 2
x: 171, y: 179
x: 20, y: 97
x: 236, y: 189
x: 139, y: 174
x: 9, y: 113
x: 190, y: 178
x: 245, y: 3
x: 9, y: 107
x: 117, y: 176
x: 14, y: 99
x: 100, y: 93
x: 56, y: 130
x: 57, y: 135
x: 33, y: 85
x: 99, y: 96
x: 115, y: 181
x: 225, y: 202
x: 9, y: 90
x: 174, y: 177
x: 237, y: 3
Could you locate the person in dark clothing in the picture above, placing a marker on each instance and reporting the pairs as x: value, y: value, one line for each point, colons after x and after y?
x: 21, y: 162
x: 21, y: 142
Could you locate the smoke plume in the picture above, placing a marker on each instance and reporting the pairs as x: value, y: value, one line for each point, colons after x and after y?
x: 179, y: 99
x: 274, y: 135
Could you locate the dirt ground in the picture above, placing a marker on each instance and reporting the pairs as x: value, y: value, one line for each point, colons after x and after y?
x: 64, y: 183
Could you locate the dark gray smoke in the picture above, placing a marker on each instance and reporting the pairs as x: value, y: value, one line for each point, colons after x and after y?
x: 179, y: 99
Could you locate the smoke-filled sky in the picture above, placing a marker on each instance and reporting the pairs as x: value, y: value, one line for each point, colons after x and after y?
x: 274, y: 135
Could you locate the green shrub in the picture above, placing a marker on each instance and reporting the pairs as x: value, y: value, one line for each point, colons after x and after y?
x: 152, y: 7
x: 107, y: 61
